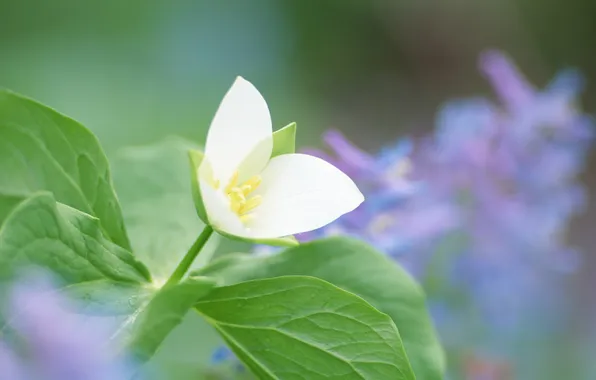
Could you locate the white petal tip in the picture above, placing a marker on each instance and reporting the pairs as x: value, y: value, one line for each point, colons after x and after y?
x: 353, y: 200
x: 241, y: 81
x: 359, y: 200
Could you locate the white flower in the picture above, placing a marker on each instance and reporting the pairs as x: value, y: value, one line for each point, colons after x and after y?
x: 250, y: 194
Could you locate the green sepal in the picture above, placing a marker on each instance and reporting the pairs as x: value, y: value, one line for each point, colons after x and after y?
x: 286, y: 241
x: 284, y: 140
x: 196, y: 157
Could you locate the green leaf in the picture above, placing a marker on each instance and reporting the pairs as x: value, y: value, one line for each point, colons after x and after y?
x: 154, y: 189
x: 299, y: 327
x: 42, y: 150
x: 357, y: 268
x: 41, y: 232
x: 284, y: 140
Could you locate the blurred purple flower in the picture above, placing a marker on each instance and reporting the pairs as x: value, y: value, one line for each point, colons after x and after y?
x: 502, y: 178
x: 10, y: 366
x: 47, y: 340
x: 521, y: 188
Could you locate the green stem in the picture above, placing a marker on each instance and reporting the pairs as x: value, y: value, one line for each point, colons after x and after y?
x: 190, y: 256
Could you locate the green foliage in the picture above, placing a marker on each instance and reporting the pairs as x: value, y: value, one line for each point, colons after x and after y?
x: 59, y: 211
x: 41, y: 232
x: 153, y: 186
x: 113, y: 284
x: 41, y: 149
x: 302, y: 327
x: 357, y: 268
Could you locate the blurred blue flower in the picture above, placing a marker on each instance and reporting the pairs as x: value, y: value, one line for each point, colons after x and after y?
x: 221, y: 355
x: 226, y: 365
x: 44, y: 338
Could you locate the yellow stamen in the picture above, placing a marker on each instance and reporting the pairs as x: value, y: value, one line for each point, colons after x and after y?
x: 246, y: 189
x: 235, y: 206
x: 253, y: 182
x: 232, y: 182
x: 237, y: 200
x: 240, y: 202
x: 250, y: 204
x: 237, y: 194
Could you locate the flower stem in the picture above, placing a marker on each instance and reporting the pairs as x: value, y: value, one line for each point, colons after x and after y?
x: 190, y: 256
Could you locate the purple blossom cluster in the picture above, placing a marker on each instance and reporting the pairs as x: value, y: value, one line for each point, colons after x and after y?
x: 512, y: 170
x: 480, y: 216
x: 44, y: 339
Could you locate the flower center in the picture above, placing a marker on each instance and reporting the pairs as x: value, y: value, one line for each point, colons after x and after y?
x: 241, y: 203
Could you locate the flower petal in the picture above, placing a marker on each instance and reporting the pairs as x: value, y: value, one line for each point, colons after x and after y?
x: 241, y: 123
x: 220, y: 216
x: 509, y: 83
x: 301, y: 193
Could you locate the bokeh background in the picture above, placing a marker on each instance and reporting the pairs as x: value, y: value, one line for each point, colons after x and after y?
x: 138, y: 71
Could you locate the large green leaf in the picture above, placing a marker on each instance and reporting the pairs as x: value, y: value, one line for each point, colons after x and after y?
x: 154, y: 187
x: 41, y: 232
x: 358, y: 268
x: 299, y: 327
x: 42, y: 150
